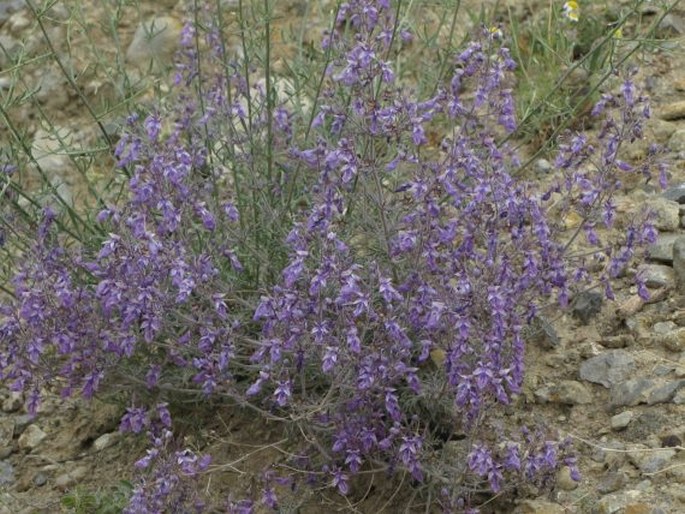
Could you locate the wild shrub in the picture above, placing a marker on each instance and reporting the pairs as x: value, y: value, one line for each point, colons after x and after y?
x: 319, y: 257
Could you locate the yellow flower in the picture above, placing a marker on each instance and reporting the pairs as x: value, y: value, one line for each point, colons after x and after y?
x: 572, y: 10
x: 618, y: 33
x: 496, y: 32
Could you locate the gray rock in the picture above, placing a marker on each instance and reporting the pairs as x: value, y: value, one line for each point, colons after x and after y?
x: 661, y: 130
x: 542, y: 333
x: 666, y: 214
x: 21, y: 422
x: 675, y: 193
x: 71, y: 478
x: 539, y: 506
x: 664, y: 327
x: 18, y: 23
x: 612, y: 481
x: 650, y: 460
x: 542, y: 166
x: 587, y: 305
x: 154, y: 43
x: 677, y: 141
x: 631, y: 392
x: 6, y: 473
x: 6, y: 432
x: 617, y: 341
x: 608, y: 368
x: 671, y: 25
x: 7, y: 7
x: 678, y: 256
x: 679, y: 397
x: 673, y: 111
x: 13, y: 402
x: 665, y: 392
x: 609, y: 504
x: 9, y: 50
x: 673, y: 340
x: 31, y: 437
x: 662, y: 249
x: 105, y: 441
x: 40, y: 479
x: 566, y: 392
x: 643, y: 390
x: 657, y: 275
x: 621, y: 421
x: 564, y: 480
x: 51, y: 154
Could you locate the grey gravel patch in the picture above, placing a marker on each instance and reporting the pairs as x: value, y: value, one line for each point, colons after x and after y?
x: 608, y: 369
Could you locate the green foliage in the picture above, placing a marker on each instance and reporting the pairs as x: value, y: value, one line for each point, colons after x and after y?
x: 101, y: 501
x: 564, y: 63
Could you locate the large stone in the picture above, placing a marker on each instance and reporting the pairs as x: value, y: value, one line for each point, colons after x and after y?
x: 566, y: 392
x: 565, y: 481
x: 662, y: 249
x: 673, y: 111
x: 154, y: 43
x: 6, y: 432
x: 676, y: 142
x: 608, y: 368
x: 678, y: 256
x: 666, y: 214
x: 621, y: 421
x: 31, y: 438
x: 664, y: 327
x: 673, y: 340
x: 664, y: 393
x: 675, y: 193
x: 661, y: 130
x: 611, y: 482
x: 71, y: 478
x: 106, y: 440
x: 539, y: 507
x: 50, y: 151
x: 657, y: 275
x: 13, y: 402
x: 542, y: 333
x: 650, y: 460
x: 6, y: 473
x: 587, y: 305
x: 643, y: 390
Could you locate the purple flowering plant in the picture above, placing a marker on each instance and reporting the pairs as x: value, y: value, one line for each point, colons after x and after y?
x: 382, y: 317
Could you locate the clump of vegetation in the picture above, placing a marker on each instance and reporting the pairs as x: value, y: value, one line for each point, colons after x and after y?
x: 304, y: 246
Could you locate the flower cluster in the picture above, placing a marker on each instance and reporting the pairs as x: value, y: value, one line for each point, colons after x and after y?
x: 172, y: 475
